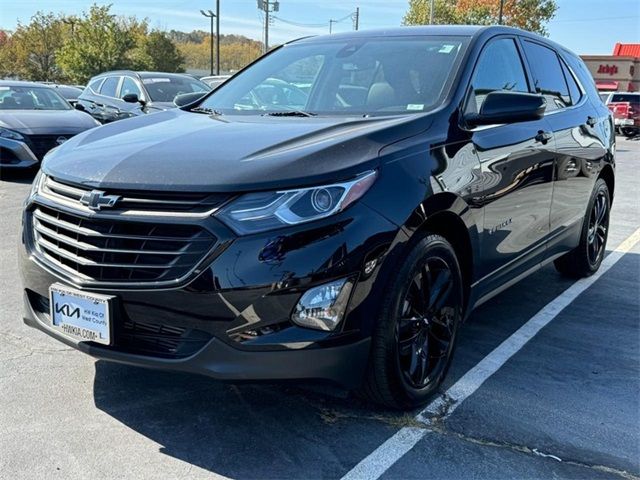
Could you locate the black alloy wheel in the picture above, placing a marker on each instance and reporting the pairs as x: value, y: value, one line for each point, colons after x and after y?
x: 415, y: 334
x: 598, y: 227
x: 585, y: 259
x: 424, y: 331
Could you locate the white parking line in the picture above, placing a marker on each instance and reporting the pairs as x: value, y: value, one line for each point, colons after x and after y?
x: 381, y: 459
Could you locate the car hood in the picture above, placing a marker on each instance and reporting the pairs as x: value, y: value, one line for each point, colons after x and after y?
x: 42, y: 122
x: 184, y: 151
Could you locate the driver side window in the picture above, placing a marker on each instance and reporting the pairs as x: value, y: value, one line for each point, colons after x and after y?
x: 129, y: 86
x: 499, y: 68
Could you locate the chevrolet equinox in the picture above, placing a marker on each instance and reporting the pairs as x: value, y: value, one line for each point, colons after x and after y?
x: 334, y: 211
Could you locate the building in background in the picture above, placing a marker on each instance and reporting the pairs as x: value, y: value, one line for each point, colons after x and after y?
x: 619, y: 72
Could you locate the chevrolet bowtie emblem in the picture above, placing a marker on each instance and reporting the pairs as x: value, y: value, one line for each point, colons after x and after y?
x: 97, y: 199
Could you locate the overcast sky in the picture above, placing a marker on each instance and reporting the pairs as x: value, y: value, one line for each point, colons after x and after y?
x: 585, y: 26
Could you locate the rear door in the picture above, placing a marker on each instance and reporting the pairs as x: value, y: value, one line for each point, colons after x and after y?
x: 517, y: 171
x: 110, y: 103
x: 573, y: 120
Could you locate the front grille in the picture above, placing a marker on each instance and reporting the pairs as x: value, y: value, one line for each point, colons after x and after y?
x: 140, y: 202
x: 108, y: 251
x: 41, y: 144
x: 144, y: 338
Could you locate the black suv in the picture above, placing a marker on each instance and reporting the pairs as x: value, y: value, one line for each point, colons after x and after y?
x: 344, y: 236
x: 116, y: 95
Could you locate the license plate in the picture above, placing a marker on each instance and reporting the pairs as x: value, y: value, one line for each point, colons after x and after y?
x: 83, y: 316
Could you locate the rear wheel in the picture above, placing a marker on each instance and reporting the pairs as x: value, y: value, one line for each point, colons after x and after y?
x: 630, y: 132
x: 585, y: 259
x: 416, y: 331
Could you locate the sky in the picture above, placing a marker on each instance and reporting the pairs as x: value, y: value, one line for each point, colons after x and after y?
x: 584, y: 26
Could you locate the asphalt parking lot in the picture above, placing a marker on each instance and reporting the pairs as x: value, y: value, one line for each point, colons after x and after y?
x: 566, y: 404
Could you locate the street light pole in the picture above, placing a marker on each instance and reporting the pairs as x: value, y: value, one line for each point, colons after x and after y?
x: 211, y: 16
x: 500, y: 14
x: 431, y: 8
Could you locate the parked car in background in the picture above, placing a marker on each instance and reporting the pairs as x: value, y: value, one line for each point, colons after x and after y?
x: 34, y: 118
x: 70, y: 93
x: 343, y: 234
x: 215, y: 81
x: 625, y: 108
x: 116, y: 95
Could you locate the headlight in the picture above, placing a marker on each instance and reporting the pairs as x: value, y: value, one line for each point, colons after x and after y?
x: 259, y: 212
x: 6, y: 133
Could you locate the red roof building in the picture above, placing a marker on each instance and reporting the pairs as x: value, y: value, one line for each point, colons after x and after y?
x: 627, y: 50
x: 619, y: 72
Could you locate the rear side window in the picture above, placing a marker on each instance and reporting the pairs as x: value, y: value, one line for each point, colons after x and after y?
x: 548, y: 76
x: 499, y: 68
x: 109, y: 87
x: 574, y: 89
x: 95, y: 84
x: 625, y: 97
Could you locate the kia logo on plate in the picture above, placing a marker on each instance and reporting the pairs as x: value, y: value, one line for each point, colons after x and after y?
x: 97, y: 199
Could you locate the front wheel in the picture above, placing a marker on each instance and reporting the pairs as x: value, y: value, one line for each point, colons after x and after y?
x: 416, y: 331
x: 585, y: 259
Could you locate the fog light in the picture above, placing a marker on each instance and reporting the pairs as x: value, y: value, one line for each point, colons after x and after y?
x: 323, y: 307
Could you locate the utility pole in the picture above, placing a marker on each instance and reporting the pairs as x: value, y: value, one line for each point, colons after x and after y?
x: 209, y: 14
x: 331, y: 22
x: 500, y: 14
x: 357, y: 19
x: 431, y: 8
x: 217, y: 37
x: 268, y: 6
x: 71, y: 21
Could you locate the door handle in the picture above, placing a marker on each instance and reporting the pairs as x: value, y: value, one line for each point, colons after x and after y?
x: 543, y: 137
x: 591, y: 121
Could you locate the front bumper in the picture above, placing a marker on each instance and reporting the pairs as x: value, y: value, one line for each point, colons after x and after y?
x: 16, y: 154
x: 233, y: 317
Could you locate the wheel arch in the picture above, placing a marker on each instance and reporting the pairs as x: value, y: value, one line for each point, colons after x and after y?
x: 448, y: 215
x: 608, y: 176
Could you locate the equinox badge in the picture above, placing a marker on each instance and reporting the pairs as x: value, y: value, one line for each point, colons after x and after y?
x: 97, y: 199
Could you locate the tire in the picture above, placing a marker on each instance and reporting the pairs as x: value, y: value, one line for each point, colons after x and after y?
x: 585, y: 259
x: 405, y: 340
x: 629, y: 132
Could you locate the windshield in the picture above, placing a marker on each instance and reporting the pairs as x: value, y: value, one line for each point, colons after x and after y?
x: 165, y: 89
x: 366, y: 76
x: 31, y: 98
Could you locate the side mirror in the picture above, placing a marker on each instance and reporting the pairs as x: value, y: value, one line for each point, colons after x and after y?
x: 508, y: 107
x: 133, y: 98
x: 79, y: 106
x: 188, y: 98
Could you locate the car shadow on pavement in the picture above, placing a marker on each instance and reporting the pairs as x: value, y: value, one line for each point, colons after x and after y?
x: 280, y: 430
x: 242, y: 430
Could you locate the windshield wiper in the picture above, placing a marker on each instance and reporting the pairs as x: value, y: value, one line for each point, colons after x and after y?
x: 208, y: 111
x: 291, y: 113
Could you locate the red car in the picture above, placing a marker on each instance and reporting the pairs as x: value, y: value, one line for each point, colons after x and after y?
x: 626, y: 112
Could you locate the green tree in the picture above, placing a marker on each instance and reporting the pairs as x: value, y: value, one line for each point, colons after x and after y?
x: 155, y: 51
x: 100, y: 42
x: 529, y: 15
x: 31, y: 51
